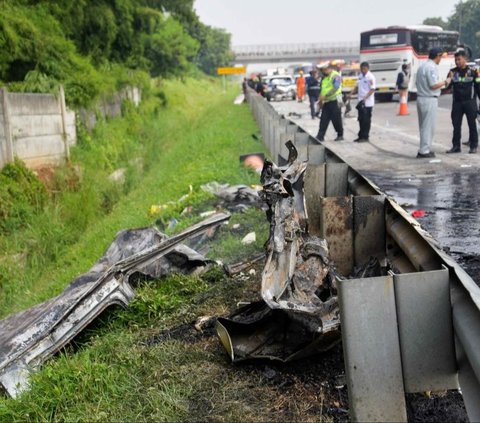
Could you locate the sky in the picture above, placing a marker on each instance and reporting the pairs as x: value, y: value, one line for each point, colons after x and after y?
x: 282, y: 21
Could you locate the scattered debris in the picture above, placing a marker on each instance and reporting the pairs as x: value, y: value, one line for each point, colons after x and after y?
x: 295, y: 115
x: 157, y: 209
x: 240, y: 99
x: 256, y: 137
x: 30, y: 337
x: 466, y: 165
x: 435, y: 161
x: 250, y: 238
x: 118, y: 176
x: 239, y: 267
x: 418, y: 213
x: 203, y: 321
x: 254, y: 161
x: 236, y: 198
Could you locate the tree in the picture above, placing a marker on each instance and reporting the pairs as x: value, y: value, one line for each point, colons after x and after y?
x: 436, y: 22
x: 464, y: 19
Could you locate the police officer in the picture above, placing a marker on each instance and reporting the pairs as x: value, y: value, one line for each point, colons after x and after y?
x: 331, y: 91
x: 465, y: 81
x: 313, y: 91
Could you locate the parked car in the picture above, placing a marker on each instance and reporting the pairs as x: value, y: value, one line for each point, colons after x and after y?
x: 349, y: 78
x: 279, y: 87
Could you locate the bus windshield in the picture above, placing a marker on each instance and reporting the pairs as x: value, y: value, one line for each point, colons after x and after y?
x: 381, y: 39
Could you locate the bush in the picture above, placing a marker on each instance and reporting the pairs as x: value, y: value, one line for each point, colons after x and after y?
x: 22, y: 196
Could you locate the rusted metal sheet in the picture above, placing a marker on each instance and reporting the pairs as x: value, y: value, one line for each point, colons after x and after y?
x: 369, y: 224
x: 426, y: 331
x: 314, y: 190
x: 28, y: 338
x: 336, y: 180
x: 372, y: 350
x: 336, y: 226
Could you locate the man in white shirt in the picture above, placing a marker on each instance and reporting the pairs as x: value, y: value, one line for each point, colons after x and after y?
x: 429, y: 88
x: 365, y: 88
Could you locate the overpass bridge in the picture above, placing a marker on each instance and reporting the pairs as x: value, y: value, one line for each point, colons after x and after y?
x: 301, y: 52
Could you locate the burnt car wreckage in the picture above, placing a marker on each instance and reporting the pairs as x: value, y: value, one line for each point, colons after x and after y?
x: 30, y: 337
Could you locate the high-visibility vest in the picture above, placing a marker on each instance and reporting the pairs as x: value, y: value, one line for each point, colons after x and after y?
x: 327, y: 86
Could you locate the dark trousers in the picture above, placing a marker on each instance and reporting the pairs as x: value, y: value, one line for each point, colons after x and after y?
x: 365, y: 121
x: 313, y: 101
x: 330, y: 112
x: 469, y: 109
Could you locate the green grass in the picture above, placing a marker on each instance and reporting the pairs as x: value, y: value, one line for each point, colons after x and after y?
x: 147, y: 363
x: 197, y: 138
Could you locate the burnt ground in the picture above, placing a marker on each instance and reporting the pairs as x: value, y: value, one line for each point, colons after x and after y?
x: 306, y: 390
x: 315, y: 388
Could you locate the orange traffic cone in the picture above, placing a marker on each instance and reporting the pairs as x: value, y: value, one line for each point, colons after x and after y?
x: 403, y: 104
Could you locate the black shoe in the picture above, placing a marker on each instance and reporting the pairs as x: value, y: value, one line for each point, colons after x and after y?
x: 361, y: 140
x: 426, y: 155
x: 320, y: 138
x: 466, y: 142
x: 453, y: 150
x: 473, y: 150
x: 339, y: 138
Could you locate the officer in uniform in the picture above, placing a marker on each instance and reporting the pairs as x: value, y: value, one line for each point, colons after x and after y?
x: 331, y: 92
x: 465, y: 82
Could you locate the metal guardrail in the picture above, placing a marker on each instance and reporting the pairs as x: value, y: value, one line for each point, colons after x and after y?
x: 416, y: 329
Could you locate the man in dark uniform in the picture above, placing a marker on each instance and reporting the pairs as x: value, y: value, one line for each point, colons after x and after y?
x: 465, y: 82
x: 313, y: 91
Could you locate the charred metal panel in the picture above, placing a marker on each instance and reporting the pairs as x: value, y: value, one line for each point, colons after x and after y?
x: 369, y: 224
x: 336, y: 180
x: 314, y: 189
x: 372, y: 350
x: 426, y: 331
x: 28, y: 338
x: 336, y: 226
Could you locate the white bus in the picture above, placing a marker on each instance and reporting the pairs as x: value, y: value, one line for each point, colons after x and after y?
x: 387, y: 49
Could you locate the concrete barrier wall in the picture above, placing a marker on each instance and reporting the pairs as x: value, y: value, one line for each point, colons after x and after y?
x: 109, y: 106
x: 39, y: 129
x: 36, y: 128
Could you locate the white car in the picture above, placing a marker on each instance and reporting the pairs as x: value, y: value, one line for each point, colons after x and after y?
x: 279, y: 87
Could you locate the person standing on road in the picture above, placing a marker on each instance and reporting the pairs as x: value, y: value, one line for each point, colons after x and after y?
x: 365, y: 87
x: 300, y: 87
x: 313, y: 91
x: 403, y: 80
x: 330, y: 93
x: 465, y: 82
x: 428, y: 90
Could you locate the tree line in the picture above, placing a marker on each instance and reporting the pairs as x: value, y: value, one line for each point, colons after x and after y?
x: 92, y: 46
x: 464, y: 19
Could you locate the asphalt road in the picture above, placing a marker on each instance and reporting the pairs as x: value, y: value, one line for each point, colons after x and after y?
x: 445, y: 187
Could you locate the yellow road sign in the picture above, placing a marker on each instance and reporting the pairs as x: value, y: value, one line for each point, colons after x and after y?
x: 232, y: 71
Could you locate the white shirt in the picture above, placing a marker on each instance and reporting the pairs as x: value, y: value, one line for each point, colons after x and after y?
x: 427, y: 75
x: 365, y: 84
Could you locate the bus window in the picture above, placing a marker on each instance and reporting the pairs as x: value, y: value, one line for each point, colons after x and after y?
x: 422, y: 42
x: 375, y: 39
